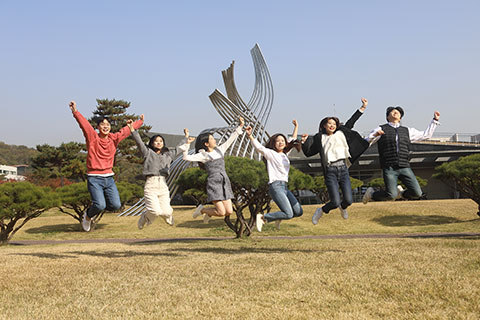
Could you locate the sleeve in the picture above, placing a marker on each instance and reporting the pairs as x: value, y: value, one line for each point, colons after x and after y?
x: 416, y: 135
x: 125, y: 131
x: 223, y: 148
x: 371, y: 136
x: 198, y: 157
x: 309, y: 147
x: 140, y: 144
x: 177, y: 150
x: 263, y: 150
x: 87, y: 129
x: 350, y: 122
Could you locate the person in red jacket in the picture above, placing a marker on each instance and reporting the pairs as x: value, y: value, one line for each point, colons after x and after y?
x: 101, y: 148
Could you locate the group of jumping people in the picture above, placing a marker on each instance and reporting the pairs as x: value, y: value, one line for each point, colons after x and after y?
x: 337, y: 144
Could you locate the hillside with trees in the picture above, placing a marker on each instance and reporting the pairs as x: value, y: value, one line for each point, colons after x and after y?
x: 12, y: 154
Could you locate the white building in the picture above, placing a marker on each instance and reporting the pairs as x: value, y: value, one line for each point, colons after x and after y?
x: 10, y: 173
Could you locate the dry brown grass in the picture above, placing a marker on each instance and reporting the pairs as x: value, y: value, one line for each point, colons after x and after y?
x: 375, y: 217
x: 244, y: 279
x: 436, y: 278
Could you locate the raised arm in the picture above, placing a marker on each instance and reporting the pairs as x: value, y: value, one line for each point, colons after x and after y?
x: 136, y: 137
x: 257, y: 145
x: 125, y: 131
x: 224, y: 146
x: 358, y: 113
x: 295, y: 129
x: 416, y: 135
x: 198, y: 157
x: 309, y: 147
x: 87, y: 129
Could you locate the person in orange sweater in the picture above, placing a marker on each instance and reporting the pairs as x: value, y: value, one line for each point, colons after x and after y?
x: 101, y: 148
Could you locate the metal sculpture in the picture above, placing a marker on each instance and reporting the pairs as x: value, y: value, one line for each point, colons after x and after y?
x: 256, y: 113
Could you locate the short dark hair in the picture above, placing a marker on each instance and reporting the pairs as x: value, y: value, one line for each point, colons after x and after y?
x: 400, y: 109
x: 321, y: 127
x: 100, y: 119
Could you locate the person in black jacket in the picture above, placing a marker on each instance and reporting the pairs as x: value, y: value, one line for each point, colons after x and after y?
x: 338, y: 146
x: 394, y: 152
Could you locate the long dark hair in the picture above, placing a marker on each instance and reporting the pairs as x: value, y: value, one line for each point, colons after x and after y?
x: 288, y: 145
x: 201, y: 140
x: 200, y: 145
x: 152, y: 140
x: 321, y: 127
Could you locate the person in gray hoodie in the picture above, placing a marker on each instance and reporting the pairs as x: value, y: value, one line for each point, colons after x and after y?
x: 157, y: 159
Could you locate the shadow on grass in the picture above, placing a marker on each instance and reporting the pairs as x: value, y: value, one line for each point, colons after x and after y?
x: 57, y: 228
x: 105, y: 254
x: 414, y: 220
x: 198, y: 224
x: 44, y: 255
x: 244, y: 250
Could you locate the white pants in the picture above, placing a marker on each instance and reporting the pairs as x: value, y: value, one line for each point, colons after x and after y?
x: 157, y: 199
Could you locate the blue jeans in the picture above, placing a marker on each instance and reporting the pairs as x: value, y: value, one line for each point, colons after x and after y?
x: 337, y: 178
x: 390, y: 177
x: 285, y: 200
x: 104, y: 194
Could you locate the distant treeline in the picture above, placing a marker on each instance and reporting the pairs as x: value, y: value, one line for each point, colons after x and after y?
x: 12, y: 154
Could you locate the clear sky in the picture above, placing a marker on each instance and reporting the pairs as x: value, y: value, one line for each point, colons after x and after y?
x: 165, y: 57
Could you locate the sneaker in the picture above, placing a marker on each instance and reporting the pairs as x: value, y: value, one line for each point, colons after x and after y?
x: 206, y: 218
x: 86, y: 224
x: 260, y: 222
x: 141, y: 221
x: 368, y: 195
x: 317, y: 215
x: 277, y: 224
x: 198, y: 212
x: 169, y: 220
x: 344, y: 213
x: 400, y: 192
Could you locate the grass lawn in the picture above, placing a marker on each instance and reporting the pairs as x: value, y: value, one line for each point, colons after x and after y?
x: 375, y: 217
x: 255, y: 278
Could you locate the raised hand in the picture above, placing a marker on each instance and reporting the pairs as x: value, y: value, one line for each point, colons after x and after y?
x: 436, y: 115
x: 248, y: 130
x: 130, y: 125
x: 142, y: 117
x: 295, y: 123
x: 190, y: 139
x: 73, y: 106
x: 242, y: 121
x: 364, y: 104
x: 304, y: 137
x: 186, y: 133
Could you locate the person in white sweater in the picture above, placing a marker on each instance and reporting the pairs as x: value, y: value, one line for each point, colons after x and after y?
x: 275, y: 154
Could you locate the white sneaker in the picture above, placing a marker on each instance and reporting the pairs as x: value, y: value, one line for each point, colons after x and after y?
x: 260, y: 222
x: 169, y: 220
x: 317, y: 215
x: 368, y: 195
x: 86, y: 224
x: 206, y: 218
x: 277, y: 224
x: 400, y: 192
x: 344, y: 213
x: 198, y: 212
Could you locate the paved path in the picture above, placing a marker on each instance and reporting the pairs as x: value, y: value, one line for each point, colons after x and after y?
x: 337, y: 236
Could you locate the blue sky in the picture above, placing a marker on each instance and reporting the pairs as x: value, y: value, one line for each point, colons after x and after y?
x: 165, y: 57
